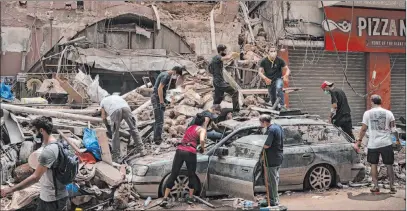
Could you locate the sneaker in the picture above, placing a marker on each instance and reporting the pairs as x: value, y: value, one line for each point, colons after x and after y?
x: 189, y: 200
x: 375, y: 190
x: 164, y: 202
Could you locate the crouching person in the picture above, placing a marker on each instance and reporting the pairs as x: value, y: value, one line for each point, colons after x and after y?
x: 186, y: 152
x: 118, y: 110
x: 53, y: 193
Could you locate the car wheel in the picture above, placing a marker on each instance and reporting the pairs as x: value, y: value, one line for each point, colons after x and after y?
x: 319, y: 177
x: 180, y: 188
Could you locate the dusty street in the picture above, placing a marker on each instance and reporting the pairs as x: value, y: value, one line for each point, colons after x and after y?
x: 335, y: 199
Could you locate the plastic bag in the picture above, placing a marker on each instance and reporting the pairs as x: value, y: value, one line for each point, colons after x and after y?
x: 6, y: 92
x: 95, y: 92
x: 90, y: 141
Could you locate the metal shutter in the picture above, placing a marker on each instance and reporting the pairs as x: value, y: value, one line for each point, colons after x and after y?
x: 398, y: 84
x: 311, y: 66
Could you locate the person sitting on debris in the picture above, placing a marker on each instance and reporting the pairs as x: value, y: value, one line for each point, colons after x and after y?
x: 186, y: 152
x: 211, y: 116
x: 219, y: 83
x: 273, y: 149
x: 381, y: 125
x: 340, y: 111
x: 271, y: 71
x: 43, y: 174
x: 118, y: 110
x: 158, y: 99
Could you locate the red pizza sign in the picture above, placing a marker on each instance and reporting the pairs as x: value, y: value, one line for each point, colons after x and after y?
x: 368, y: 31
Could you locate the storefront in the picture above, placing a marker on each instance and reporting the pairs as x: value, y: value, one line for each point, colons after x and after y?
x: 375, y: 63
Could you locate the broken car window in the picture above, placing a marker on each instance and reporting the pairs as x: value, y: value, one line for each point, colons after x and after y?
x: 322, y: 134
x: 247, y: 147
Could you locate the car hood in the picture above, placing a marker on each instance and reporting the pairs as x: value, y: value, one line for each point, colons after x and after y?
x: 153, y: 159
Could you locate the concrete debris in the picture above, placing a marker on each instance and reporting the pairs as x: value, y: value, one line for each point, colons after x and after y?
x: 108, y: 174
x: 22, y: 172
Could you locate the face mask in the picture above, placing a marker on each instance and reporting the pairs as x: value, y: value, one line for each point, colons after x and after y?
x: 272, y: 56
x: 223, y: 54
x: 327, y: 92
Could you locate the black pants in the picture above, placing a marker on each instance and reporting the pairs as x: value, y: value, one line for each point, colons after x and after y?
x: 387, y: 154
x: 59, y: 205
x: 346, y: 126
x: 190, y: 160
x: 219, y: 95
x: 158, y: 119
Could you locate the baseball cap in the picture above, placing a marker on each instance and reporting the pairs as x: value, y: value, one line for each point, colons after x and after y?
x: 326, y: 83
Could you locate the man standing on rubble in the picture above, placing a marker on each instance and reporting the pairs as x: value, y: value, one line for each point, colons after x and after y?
x: 381, y: 125
x: 273, y: 157
x: 158, y: 101
x: 271, y: 71
x: 340, y: 111
x: 219, y: 83
x: 118, y: 110
x: 50, y: 200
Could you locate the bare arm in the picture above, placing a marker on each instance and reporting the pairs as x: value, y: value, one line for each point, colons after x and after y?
x: 202, y: 137
x: 32, y: 179
x: 103, y: 113
x: 214, y: 126
x: 333, y: 111
x: 266, y: 147
x: 161, y: 93
x: 287, y: 71
x: 206, y: 123
x: 362, y: 134
x: 261, y: 73
x: 232, y: 55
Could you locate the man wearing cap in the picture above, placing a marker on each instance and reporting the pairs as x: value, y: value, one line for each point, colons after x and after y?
x: 158, y: 99
x: 381, y: 125
x: 340, y: 111
x: 271, y: 71
x: 219, y: 83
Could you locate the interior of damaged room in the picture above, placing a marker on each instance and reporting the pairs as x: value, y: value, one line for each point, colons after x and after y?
x: 73, y: 65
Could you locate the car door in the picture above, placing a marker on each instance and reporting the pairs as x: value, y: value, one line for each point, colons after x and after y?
x: 298, y: 156
x: 233, y: 174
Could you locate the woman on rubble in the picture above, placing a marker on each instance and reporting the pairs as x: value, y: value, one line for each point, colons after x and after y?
x: 186, y: 152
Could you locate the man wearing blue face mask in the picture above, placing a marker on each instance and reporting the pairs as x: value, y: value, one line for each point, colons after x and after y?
x: 340, y: 111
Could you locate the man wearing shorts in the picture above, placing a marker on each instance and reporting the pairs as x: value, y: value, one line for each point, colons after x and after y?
x: 381, y: 125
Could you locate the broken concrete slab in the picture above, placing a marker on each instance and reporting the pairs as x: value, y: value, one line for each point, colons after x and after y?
x: 103, y: 141
x: 22, y: 172
x: 13, y: 128
x: 108, y: 174
x: 188, y: 111
x: 24, y: 197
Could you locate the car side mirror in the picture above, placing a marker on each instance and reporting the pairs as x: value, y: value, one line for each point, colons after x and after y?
x: 222, y: 151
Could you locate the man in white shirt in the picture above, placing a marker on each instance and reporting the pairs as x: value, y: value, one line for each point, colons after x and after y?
x: 118, y: 109
x: 381, y: 125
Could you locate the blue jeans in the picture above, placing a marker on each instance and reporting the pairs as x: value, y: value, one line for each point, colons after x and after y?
x: 276, y: 90
x: 213, y: 135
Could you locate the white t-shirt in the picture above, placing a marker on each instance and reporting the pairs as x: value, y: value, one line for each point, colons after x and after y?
x: 112, y: 103
x: 378, y: 122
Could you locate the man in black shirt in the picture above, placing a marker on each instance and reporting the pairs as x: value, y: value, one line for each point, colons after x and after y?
x: 158, y: 99
x: 211, y: 116
x: 340, y: 111
x: 273, y: 147
x: 219, y: 83
x: 271, y: 71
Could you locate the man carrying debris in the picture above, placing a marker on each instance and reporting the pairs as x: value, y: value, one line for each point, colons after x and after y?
x: 219, y: 83
x: 118, y: 110
x: 381, y: 125
x: 271, y: 71
x: 211, y: 116
x: 273, y: 157
x: 340, y: 111
x: 158, y: 99
x: 50, y: 199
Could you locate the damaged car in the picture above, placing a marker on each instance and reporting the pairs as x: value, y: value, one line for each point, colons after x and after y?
x: 317, y: 155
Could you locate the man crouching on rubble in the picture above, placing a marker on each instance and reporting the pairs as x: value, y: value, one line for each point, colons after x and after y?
x: 118, y: 109
x: 158, y: 99
x: 211, y: 116
x: 273, y: 147
x: 43, y: 173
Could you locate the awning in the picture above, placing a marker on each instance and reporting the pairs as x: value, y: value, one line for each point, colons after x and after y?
x: 131, y: 60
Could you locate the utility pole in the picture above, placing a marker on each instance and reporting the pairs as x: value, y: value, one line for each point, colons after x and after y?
x: 51, y: 18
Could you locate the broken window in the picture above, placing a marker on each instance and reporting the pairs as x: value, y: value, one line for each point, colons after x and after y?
x: 247, y: 146
x: 293, y: 135
x: 322, y: 134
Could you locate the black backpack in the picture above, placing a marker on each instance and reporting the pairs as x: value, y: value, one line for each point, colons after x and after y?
x: 67, y: 168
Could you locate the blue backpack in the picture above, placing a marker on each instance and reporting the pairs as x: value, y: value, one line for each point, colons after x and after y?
x: 67, y: 168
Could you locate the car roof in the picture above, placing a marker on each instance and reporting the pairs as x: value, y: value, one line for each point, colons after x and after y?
x: 234, y: 124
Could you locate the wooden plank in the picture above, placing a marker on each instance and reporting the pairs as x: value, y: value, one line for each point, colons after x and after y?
x: 104, y: 145
x: 253, y: 91
x: 71, y: 91
x: 246, y: 19
x: 145, y: 130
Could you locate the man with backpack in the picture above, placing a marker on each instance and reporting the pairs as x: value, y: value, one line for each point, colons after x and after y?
x: 55, y: 170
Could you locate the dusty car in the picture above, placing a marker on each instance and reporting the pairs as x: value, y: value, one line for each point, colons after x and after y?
x: 316, y: 155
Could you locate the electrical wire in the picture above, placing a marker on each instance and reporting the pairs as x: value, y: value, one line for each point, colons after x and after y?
x: 347, y: 43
